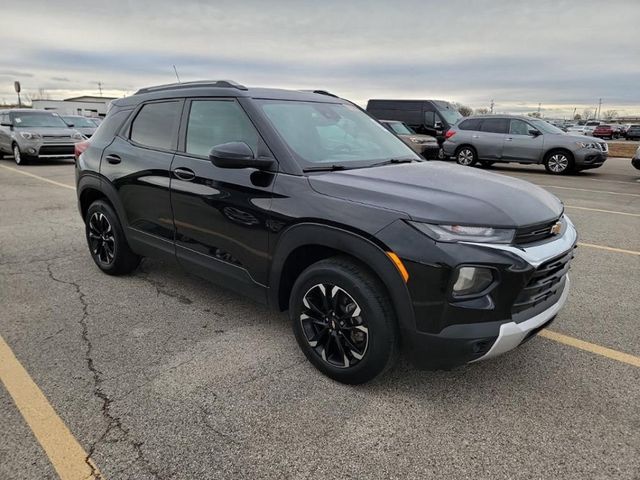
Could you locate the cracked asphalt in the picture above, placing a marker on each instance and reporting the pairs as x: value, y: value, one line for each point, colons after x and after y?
x: 161, y: 375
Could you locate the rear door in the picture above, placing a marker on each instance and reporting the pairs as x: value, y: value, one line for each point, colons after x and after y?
x: 489, y: 140
x: 520, y: 145
x: 221, y: 214
x: 137, y: 163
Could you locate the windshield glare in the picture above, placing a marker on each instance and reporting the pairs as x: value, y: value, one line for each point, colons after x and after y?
x: 333, y: 133
x: 37, y: 119
x: 545, y: 127
x: 448, y: 113
x: 400, y: 128
x: 79, y: 122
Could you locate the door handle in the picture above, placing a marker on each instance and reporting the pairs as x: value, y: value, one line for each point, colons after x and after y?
x: 508, y: 139
x: 113, y: 159
x: 475, y: 136
x: 184, y: 174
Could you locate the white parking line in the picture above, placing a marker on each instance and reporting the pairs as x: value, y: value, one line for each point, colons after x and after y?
x: 22, y: 172
x: 588, y: 190
x: 602, y: 211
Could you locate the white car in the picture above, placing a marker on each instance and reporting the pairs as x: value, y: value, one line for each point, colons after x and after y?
x: 590, y: 126
x: 577, y: 130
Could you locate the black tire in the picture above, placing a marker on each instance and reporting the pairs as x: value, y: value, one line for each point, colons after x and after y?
x: 360, y: 330
x: 107, y: 244
x: 466, y: 156
x: 18, y: 156
x: 486, y: 163
x: 559, y: 162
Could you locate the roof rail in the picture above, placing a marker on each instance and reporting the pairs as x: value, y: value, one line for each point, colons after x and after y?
x: 321, y: 92
x: 199, y: 83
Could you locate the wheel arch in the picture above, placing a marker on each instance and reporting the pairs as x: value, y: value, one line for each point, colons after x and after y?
x: 303, y: 244
x: 91, y: 188
x: 553, y: 150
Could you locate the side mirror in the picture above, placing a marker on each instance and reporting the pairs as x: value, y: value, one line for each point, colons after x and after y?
x: 71, y: 125
x: 438, y: 125
x: 237, y: 155
x: 534, y: 133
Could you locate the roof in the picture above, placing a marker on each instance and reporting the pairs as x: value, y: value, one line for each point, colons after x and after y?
x: 500, y: 115
x: 223, y: 88
x: 89, y: 98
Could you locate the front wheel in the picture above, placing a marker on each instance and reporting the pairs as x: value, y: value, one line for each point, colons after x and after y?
x: 466, y: 156
x: 17, y: 155
x: 343, y: 320
x: 107, y: 244
x: 558, y: 163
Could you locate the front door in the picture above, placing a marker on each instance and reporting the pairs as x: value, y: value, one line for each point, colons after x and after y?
x: 137, y: 164
x: 221, y: 214
x: 520, y: 145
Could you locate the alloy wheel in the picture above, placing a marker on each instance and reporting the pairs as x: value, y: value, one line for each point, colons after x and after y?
x: 558, y: 163
x: 101, y: 239
x: 333, y: 325
x: 465, y: 157
x: 17, y: 156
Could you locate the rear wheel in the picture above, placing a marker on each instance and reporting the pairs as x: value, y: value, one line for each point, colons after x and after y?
x: 466, y: 156
x: 343, y: 320
x: 559, y: 162
x: 107, y: 244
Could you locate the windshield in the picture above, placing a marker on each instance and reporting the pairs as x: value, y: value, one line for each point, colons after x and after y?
x: 545, y: 127
x: 400, y: 128
x: 333, y: 133
x: 37, y: 119
x: 448, y: 112
x: 79, y: 122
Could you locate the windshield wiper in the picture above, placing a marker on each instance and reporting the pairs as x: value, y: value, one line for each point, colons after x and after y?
x: 324, y: 168
x: 395, y: 160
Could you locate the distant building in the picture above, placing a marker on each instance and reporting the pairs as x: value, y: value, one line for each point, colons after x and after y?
x: 87, y: 105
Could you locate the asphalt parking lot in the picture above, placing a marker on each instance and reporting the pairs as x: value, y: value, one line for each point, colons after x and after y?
x: 162, y: 375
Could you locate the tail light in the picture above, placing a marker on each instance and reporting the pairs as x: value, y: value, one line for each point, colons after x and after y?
x: 80, y: 147
x: 449, y: 133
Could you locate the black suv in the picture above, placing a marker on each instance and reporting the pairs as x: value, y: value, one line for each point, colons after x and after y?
x: 305, y: 202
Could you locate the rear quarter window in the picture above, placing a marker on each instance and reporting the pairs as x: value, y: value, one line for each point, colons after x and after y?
x: 495, y: 125
x: 108, y: 128
x: 470, y: 124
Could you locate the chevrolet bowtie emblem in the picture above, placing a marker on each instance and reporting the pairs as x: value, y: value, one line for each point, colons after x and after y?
x: 556, y: 228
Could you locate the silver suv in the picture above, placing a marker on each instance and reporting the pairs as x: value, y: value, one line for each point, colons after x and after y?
x: 28, y: 134
x: 505, y: 138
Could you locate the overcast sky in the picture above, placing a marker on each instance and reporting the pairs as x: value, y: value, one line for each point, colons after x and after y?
x: 564, y: 54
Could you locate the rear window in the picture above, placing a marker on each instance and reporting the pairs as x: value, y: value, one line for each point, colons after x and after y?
x: 495, y: 125
x: 107, y: 129
x: 156, y: 125
x: 470, y: 124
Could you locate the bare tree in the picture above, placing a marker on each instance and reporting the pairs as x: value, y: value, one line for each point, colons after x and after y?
x: 577, y: 116
x: 534, y: 114
x: 464, y: 110
x: 41, y: 95
x: 482, y: 111
x: 587, y: 114
x: 610, y: 114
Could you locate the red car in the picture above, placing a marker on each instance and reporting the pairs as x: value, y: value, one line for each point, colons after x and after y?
x: 604, y: 131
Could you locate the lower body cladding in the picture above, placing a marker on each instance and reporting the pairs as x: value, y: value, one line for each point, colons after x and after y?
x: 48, y: 150
x: 591, y: 159
x: 529, y: 287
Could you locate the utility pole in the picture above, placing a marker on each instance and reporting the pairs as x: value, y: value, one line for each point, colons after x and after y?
x: 574, y: 113
x: 100, y: 87
x: 539, y: 105
x: 599, y: 108
x: 492, y: 105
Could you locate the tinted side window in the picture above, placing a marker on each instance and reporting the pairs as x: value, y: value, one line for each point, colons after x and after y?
x: 471, y: 124
x: 213, y: 122
x: 519, y: 127
x: 156, y: 125
x: 495, y: 125
x: 429, y: 119
x: 108, y: 128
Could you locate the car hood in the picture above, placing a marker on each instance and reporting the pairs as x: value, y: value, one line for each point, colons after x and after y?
x: 421, y: 138
x: 62, y: 131
x: 441, y: 193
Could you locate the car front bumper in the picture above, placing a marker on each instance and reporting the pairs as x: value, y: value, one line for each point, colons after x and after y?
x: 448, y: 333
x: 47, y: 149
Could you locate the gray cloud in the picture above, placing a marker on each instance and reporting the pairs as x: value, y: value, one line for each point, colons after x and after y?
x: 558, y: 53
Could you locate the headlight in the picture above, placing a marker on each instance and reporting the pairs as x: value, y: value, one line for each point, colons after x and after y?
x: 471, y: 280
x: 586, y: 145
x: 415, y: 140
x: 30, y: 135
x: 462, y: 233
x: 77, y: 136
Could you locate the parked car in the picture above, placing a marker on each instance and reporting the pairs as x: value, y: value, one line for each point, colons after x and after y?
x: 29, y: 134
x: 577, y: 130
x: 590, y: 126
x: 427, y: 117
x: 633, y: 133
x: 82, y: 124
x: 635, y: 161
x: 426, y: 145
x: 304, y: 202
x: 505, y: 138
x: 604, y: 131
